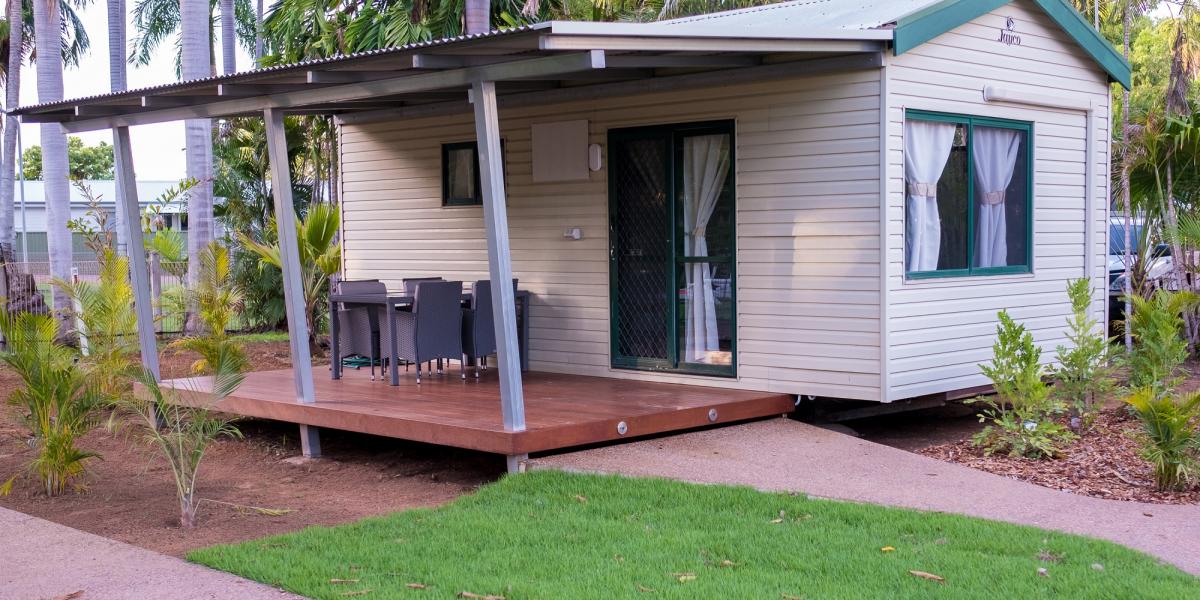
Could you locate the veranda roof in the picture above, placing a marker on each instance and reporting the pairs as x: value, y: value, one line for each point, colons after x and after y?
x: 565, y: 60
x: 544, y: 62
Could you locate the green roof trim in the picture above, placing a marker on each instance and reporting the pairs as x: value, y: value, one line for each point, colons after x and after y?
x: 924, y: 25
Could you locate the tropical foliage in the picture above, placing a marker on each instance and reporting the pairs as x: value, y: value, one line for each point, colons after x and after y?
x: 1170, y: 438
x: 57, y: 401
x: 320, y: 259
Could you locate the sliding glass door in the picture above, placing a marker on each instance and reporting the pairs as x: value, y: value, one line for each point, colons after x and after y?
x: 671, y: 237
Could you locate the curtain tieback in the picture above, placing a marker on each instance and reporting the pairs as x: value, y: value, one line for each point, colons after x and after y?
x: 698, y: 232
x: 923, y: 190
x: 994, y: 198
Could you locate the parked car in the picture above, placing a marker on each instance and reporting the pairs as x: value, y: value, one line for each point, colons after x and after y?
x: 1158, y: 269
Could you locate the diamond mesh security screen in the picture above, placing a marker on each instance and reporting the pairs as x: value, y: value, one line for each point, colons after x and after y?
x: 641, y: 242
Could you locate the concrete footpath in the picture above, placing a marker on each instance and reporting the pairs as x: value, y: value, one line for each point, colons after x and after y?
x: 785, y: 455
x: 40, y: 560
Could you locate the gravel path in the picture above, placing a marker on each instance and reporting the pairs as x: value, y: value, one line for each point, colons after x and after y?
x: 785, y: 455
x: 44, y: 560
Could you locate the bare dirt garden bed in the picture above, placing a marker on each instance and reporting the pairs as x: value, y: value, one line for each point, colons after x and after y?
x: 129, y: 496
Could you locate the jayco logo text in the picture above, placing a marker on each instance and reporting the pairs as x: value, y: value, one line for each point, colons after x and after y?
x: 1007, y: 35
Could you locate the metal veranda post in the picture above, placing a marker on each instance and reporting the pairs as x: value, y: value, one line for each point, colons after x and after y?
x: 495, y: 221
x: 139, y: 275
x: 293, y: 290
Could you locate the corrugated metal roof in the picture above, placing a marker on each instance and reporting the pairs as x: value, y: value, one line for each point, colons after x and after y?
x: 834, y: 14
x: 247, y: 76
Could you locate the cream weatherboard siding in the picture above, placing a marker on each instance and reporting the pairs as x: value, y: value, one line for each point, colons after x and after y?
x: 808, y: 235
x: 940, y: 330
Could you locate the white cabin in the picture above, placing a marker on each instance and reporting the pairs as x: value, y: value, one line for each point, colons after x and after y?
x: 827, y: 270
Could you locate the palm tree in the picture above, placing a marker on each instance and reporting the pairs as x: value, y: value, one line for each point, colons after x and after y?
x: 118, y: 83
x: 194, y: 18
x: 478, y: 16
x: 47, y: 28
x: 157, y: 21
x: 16, y: 55
x: 228, y: 38
x: 20, y: 45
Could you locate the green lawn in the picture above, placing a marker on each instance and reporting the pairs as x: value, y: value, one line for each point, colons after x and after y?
x: 555, y: 535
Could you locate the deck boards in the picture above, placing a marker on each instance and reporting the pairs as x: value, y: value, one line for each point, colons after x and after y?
x: 560, y: 410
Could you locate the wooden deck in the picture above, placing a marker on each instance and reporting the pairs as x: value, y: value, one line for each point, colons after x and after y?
x: 560, y: 410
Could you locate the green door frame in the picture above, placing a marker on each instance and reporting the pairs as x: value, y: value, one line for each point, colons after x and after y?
x: 675, y: 134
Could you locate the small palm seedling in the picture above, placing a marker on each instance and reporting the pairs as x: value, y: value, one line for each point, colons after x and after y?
x: 180, y: 421
x: 1020, y: 415
x: 58, y: 399
x: 1169, y: 436
x: 108, y: 324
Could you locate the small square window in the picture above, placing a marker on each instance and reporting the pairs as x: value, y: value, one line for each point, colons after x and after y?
x: 460, y: 174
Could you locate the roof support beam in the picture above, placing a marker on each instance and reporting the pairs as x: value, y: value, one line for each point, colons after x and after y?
x: 289, y: 254
x: 495, y: 224
x: 172, y: 101
x: 522, y: 69
x: 139, y: 276
x: 684, y: 61
x: 658, y: 84
x: 348, y: 76
x: 243, y: 90
x: 50, y: 117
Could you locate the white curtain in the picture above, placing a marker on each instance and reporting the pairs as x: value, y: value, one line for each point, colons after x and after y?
x: 927, y: 147
x: 994, y: 152
x: 705, y: 166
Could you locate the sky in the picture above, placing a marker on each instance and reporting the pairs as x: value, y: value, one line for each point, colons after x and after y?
x: 157, y: 149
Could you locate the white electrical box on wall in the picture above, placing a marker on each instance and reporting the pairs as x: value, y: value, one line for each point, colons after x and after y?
x: 560, y: 151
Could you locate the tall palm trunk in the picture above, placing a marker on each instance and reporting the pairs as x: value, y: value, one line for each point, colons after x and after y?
x: 8, y: 152
x: 478, y: 16
x: 1126, y: 200
x: 228, y: 37
x: 118, y: 82
x: 1179, y: 81
x: 47, y: 29
x: 258, y: 34
x: 196, y: 62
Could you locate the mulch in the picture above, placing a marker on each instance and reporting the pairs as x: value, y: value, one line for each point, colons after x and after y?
x: 1105, y: 462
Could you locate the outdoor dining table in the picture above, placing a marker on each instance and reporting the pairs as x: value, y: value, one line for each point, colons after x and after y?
x: 392, y: 303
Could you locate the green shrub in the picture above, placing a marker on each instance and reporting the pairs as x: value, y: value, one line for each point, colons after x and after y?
x: 1170, y: 439
x: 1020, y: 415
x: 1159, y: 352
x: 1085, y: 371
x: 59, y: 400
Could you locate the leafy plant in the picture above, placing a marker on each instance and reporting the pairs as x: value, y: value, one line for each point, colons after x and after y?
x: 320, y: 258
x: 1157, y: 323
x: 179, y: 420
x: 1170, y: 438
x: 58, y: 399
x: 1020, y: 415
x: 108, y: 324
x: 1085, y: 370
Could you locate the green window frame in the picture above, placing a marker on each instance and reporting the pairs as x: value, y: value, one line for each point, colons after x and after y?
x: 970, y: 122
x: 676, y: 133
x: 448, y: 199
